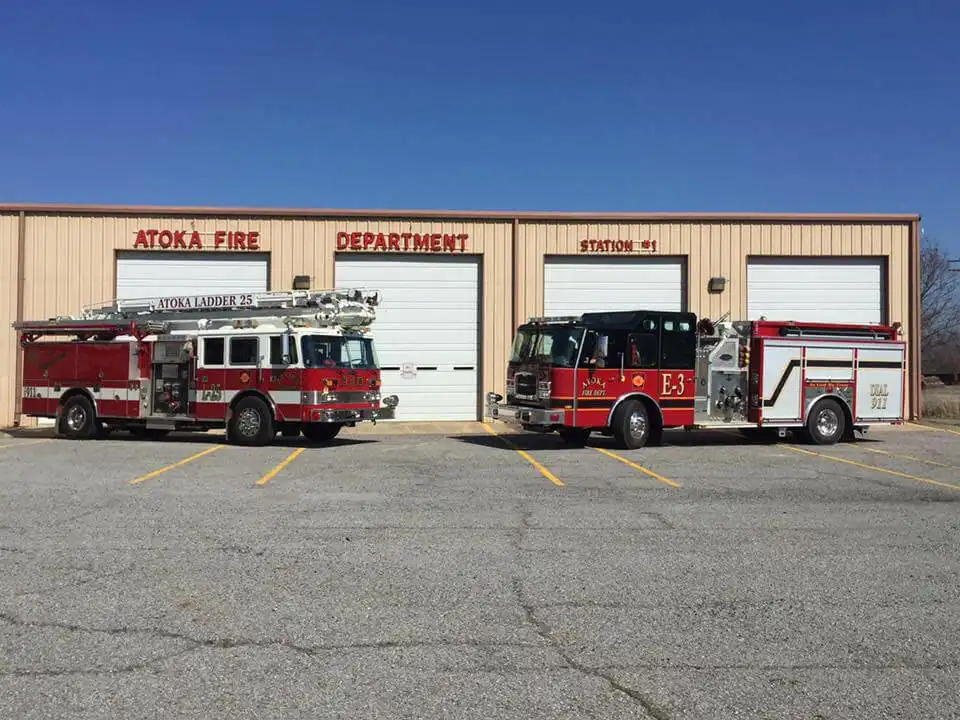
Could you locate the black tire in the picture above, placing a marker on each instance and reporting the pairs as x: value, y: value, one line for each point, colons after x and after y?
x: 826, y: 423
x: 251, y: 423
x: 575, y: 437
x: 78, y: 420
x: 631, y: 425
x: 321, y: 432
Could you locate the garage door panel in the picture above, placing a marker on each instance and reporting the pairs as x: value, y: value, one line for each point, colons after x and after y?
x: 576, y: 285
x: 816, y: 290
x: 163, y: 274
x: 428, y: 318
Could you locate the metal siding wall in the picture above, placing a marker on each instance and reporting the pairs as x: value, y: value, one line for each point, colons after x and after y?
x: 9, y: 228
x: 70, y: 262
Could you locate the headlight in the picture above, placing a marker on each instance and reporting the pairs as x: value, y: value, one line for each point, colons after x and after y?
x: 543, y: 389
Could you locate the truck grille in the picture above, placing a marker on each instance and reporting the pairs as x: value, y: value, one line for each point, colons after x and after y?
x: 526, y: 385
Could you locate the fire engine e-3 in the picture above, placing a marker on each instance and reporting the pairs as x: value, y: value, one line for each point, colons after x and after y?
x: 634, y: 374
x: 297, y: 361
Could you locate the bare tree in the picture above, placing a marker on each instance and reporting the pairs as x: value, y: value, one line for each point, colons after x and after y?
x: 939, y: 307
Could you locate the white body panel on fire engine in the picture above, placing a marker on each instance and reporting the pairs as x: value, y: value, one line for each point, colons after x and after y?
x: 781, y: 381
x: 880, y: 389
x: 868, y: 377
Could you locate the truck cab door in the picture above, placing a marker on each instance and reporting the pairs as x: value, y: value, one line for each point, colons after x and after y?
x: 281, y: 378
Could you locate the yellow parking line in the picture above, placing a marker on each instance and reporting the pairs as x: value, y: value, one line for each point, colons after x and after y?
x: 272, y: 474
x: 25, y: 443
x: 635, y: 466
x: 935, y: 428
x: 162, y: 470
x: 908, y: 457
x: 876, y: 468
x: 526, y: 456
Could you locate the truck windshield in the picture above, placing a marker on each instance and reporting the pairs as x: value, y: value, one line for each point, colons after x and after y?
x: 555, y: 345
x: 328, y: 351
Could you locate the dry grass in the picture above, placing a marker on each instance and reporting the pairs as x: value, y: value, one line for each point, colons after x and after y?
x: 942, y: 401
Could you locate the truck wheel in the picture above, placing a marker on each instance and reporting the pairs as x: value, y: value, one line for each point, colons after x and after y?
x: 826, y: 423
x: 631, y: 425
x: 321, y: 432
x: 251, y: 423
x: 575, y: 437
x: 77, y: 419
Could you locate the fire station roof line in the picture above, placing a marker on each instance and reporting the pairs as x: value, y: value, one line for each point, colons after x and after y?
x: 555, y: 216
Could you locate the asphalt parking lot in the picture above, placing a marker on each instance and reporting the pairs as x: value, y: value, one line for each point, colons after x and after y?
x: 480, y: 575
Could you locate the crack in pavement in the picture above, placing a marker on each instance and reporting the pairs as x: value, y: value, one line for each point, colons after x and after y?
x: 545, y: 632
x: 195, y: 643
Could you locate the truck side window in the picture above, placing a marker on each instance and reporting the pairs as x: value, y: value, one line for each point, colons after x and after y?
x: 678, y: 345
x: 244, y: 350
x: 213, y: 351
x: 276, y: 350
x: 642, y: 350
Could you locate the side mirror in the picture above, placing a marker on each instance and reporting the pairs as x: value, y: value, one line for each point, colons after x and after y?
x: 602, y: 346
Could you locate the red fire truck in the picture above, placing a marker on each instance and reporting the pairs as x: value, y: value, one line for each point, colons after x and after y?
x: 255, y: 363
x: 634, y: 374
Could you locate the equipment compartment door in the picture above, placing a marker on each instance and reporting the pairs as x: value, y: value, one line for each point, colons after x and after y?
x: 881, y: 373
x: 782, y: 381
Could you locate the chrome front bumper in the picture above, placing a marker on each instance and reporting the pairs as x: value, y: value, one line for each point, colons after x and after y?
x: 520, y: 415
x: 386, y: 411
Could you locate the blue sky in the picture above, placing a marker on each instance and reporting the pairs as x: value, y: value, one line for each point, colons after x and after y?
x: 738, y: 106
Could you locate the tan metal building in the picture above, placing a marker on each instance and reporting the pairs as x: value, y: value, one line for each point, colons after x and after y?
x: 455, y: 284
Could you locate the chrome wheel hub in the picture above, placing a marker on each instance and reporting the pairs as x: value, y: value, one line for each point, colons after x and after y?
x: 638, y: 425
x: 248, y: 422
x: 76, y: 418
x: 827, y: 422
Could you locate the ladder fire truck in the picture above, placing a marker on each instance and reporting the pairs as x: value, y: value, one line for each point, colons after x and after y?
x: 256, y: 364
x: 633, y: 374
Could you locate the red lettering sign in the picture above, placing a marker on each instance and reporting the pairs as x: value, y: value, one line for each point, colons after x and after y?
x: 402, y: 242
x: 180, y: 240
x: 617, y: 246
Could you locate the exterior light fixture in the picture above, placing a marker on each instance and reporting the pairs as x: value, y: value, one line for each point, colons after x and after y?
x: 717, y: 284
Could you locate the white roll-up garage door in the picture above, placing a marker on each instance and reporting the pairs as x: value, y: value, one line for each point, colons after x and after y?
x: 816, y: 289
x: 426, y: 331
x: 574, y: 285
x: 160, y: 274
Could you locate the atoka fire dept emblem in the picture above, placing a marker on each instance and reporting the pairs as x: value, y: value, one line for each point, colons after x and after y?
x: 594, y: 387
